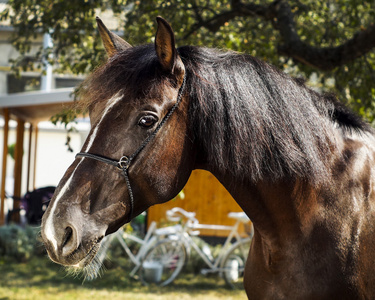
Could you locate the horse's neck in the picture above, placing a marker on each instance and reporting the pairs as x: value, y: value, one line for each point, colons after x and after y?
x: 313, y: 241
x: 293, y: 208
x: 272, y: 207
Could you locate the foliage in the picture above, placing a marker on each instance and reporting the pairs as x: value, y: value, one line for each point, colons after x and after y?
x: 319, y: 23
x: 70, y: 24
x: 11, y: 150
x: 66, y: 117
x: 247, y: 26
x: 20, y: 243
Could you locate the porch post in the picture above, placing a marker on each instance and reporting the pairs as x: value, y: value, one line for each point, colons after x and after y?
x: 4, y: 164
x: 18, y: 154
x: 31, y: 128
x: 35, y: 154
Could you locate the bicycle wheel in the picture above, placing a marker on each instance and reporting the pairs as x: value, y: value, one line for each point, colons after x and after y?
x: 234, y: 262
x: 163, y: 262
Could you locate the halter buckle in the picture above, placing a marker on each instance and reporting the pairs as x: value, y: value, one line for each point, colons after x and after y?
x: 123, y: 163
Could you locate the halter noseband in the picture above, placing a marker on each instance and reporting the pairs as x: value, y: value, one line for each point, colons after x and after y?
x: 124, y: 162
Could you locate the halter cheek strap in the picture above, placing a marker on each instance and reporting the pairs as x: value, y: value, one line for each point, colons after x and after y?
x: 124, y: 162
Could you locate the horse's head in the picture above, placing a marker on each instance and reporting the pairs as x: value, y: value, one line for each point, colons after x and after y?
x: 137, y: 109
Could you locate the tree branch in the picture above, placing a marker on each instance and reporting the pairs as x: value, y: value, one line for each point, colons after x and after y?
x: 238, y: 9
x: 280, y: 14
x: 326, y: 58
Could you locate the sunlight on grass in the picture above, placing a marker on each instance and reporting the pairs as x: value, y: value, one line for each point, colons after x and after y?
x: 42, y: 279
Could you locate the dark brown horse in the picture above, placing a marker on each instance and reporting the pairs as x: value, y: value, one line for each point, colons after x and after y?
x: 299, y: 163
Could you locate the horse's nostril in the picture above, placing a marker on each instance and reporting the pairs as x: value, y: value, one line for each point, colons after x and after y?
x: 69, y: 241
x: 67, y: 236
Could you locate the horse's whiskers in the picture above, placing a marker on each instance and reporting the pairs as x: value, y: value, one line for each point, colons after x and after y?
x: 92, y: 270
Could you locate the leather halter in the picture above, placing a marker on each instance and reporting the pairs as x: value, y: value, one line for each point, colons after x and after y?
x: 124, y: 162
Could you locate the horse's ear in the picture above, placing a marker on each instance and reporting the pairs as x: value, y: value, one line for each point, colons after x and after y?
x: 112, y: 42
x: 165, y: 47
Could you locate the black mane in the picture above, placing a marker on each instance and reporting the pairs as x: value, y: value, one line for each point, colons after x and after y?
x: 247, y: 116
x: 256, y: 121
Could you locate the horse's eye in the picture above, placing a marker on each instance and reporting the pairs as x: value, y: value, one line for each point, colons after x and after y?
x: 147, y: 121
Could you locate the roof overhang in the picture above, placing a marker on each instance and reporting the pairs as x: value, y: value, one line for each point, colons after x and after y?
x: 37, y: 106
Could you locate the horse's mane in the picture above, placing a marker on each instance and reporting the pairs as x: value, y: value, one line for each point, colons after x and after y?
x: 248, y: 117
x: 257, y: 122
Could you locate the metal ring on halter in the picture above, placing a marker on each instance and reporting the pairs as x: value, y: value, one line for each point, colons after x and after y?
x: 123, y: 163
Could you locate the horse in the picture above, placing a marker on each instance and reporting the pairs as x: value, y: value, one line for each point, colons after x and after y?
x: 298, y: 162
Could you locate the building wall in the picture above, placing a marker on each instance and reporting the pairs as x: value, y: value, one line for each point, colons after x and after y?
x: 53, y: 158
x: 205, y: 196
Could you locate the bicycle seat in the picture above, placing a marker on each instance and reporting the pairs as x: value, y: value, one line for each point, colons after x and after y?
x: 240, y: 216
x: 168, y: 230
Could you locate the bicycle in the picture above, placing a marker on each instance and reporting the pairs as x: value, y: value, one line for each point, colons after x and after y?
x: 151, y: 238
x: 229, y: 263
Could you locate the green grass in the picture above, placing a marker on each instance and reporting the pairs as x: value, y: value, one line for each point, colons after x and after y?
x: 39, y: 278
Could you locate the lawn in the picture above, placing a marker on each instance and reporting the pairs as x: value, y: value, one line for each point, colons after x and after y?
x: 41, y: 279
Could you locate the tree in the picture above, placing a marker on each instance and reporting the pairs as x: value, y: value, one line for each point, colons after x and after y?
x: 329, y: 41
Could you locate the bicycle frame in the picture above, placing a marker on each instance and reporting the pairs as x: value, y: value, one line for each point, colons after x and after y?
x: 181, y: 233
x: 123, y: 236
x: 152, y: 236
x: 193, y: 224
x: 214, y: 266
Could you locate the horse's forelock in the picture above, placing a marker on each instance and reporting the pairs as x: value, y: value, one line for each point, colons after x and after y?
x: 135, y: 72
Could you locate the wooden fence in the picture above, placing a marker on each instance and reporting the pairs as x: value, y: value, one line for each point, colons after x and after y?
x: 205, y: 196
